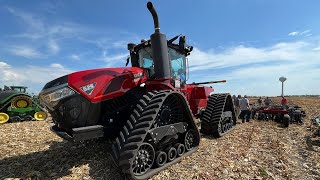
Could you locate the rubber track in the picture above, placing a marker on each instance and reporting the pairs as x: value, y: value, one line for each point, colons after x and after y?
x: 212, y: 114
x: 134, y: 132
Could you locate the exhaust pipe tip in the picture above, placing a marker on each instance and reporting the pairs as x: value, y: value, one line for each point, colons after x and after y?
x: 149, y: 5
x: 154, y: 16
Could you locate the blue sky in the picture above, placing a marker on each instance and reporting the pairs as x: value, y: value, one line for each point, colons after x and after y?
x: 248, y: 43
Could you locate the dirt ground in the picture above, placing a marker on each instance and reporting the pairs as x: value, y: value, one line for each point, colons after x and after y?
x: 254, y: 150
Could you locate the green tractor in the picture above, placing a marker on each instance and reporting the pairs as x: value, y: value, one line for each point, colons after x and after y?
x: 17, y: 105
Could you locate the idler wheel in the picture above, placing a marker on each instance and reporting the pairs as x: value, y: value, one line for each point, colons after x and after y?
x: 161, y: 158
x: 190, y: 139
x: 180, y: 149
x: 172, y: 153
x: 143, y: 160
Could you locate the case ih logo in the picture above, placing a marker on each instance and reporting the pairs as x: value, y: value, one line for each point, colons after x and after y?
x: 89, y: 88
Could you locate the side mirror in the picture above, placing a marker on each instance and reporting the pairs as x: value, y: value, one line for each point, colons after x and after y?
x: 131, y: 46
x: 182, y: 42
x: 128, y: 59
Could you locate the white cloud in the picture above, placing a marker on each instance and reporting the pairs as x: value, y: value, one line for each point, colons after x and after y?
x: 56, y: 65
x: 25, y: 51
x: 255, y: 71
x: 303, y: 33
x: 75, y: 57
x: 4, y: 65
x: 294, y: 33
x: 115, y: 59
x: 53, y: 46
x: 316, y: 48
x: 33, y: 76
x: 42, y: 32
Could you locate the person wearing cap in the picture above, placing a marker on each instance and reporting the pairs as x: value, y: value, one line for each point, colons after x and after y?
x: 245, y: 109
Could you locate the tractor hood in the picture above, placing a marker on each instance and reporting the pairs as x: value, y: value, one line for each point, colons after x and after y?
x: 95, y: 85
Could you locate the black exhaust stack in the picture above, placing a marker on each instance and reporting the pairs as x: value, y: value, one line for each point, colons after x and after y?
x: 159, y: 47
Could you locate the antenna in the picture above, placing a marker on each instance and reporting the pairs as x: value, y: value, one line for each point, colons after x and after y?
x: 282, y: 80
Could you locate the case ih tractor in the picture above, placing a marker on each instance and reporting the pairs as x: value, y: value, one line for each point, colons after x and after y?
x: 17, y: 105
x: 148, y: 109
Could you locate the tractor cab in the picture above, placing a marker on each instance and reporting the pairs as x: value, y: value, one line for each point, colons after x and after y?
x: 21, y: 89
x: 141, y: 55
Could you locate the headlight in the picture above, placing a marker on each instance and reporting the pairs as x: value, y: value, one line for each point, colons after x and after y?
x: 53, y: 98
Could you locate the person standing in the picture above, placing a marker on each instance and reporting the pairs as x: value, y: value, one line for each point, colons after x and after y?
x: 244, y: 107
x: 260, y: 101
x: 267, y: 101
x: 284, y: 102
x: 237, y: 105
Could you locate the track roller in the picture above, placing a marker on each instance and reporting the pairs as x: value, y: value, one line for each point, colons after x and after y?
x: 28, y: 118
x: 180, y: 149
x: 172, y: 153
x: 161, y: 158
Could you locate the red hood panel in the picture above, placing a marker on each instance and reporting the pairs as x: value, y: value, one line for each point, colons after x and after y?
x: 106, y: 83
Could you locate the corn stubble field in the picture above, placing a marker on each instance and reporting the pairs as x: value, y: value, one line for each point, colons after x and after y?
x: 255, y: 150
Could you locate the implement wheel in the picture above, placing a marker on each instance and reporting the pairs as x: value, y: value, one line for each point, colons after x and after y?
x: 40, y: 116
x: 286, y: 120
x: 4, y: 118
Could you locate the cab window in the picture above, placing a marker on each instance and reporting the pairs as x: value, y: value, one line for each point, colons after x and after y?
x: 178, y: 66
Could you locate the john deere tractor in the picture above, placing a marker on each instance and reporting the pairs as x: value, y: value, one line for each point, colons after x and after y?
x: 17, y: 105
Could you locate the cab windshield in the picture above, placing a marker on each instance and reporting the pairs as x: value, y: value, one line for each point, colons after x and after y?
x: 178, y: 62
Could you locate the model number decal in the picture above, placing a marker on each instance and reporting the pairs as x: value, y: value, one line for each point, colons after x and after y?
x: 138, y: 75
x: 88, y: 89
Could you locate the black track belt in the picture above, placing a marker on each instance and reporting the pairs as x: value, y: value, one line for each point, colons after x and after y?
x: 134, y: 134
x: 212, y: 118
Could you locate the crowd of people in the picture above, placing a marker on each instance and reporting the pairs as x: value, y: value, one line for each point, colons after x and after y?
x: 245, y: 111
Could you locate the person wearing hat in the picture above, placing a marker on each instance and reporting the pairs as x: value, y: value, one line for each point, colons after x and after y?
x: 245, y: 109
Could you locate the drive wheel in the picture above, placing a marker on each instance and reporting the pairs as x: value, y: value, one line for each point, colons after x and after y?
x: 161, y: 158
x: 143, y: 160
x: 170, y: 112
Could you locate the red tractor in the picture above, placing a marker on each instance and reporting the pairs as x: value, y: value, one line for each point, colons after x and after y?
x: 148, y: 109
